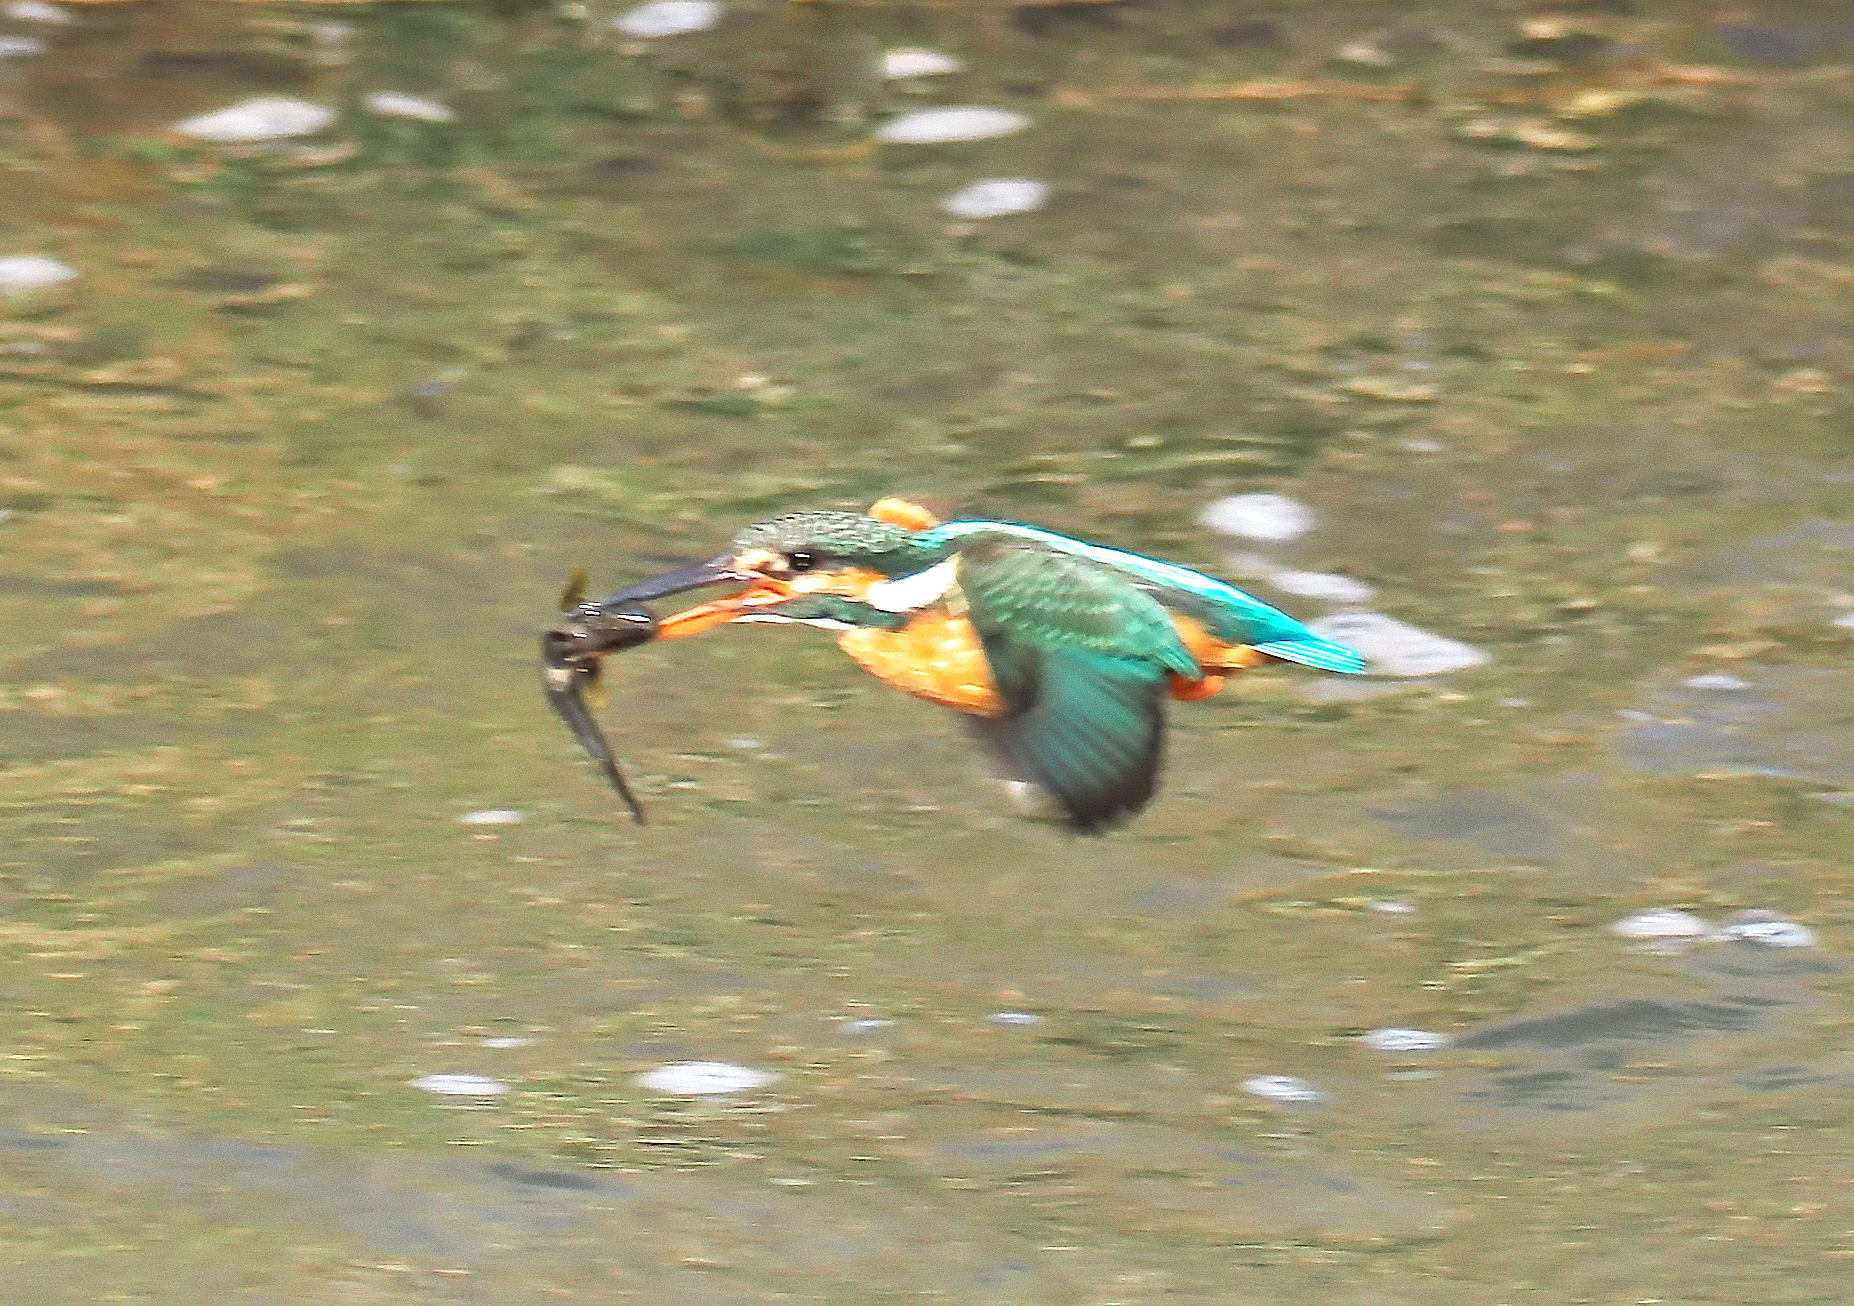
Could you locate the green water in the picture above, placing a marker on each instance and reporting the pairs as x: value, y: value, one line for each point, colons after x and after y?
x: 1553, y: 335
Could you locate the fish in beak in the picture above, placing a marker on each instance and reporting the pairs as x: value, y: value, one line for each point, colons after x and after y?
x: 573, y: 651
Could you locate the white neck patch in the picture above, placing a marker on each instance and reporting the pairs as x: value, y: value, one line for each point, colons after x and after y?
x: 912, y: 593
x: 774, y: 619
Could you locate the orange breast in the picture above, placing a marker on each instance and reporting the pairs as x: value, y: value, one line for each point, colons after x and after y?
x: 937, y: 656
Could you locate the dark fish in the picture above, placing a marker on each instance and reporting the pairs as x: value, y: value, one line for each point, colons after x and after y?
x: 570, y: 659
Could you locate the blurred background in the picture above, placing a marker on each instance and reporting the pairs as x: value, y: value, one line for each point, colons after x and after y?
x: 333, y: 337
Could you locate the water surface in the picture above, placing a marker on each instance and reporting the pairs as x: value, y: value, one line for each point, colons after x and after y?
x: 1547, y: 323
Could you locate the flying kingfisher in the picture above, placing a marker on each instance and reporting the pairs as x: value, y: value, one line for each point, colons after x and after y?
x: 1061, y: 653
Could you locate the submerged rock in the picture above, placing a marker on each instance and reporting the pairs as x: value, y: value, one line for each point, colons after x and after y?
x: 1324, y: 585
x: 38, y: 11
x: 1789, y: 723
x: 863, y: 1025
x: 20, y: 47
x: 1661, y: 923
x: 1364, y: 52
x: 492, y: 816
x: 669, y: 18
x: 703, y: 1078
x: 1394, y: 1039
x: 1792, y: 45
x: 913, y: 61
x: 1768, y: 929
x: 397, y: 104
x: 960, y: 122
x: 32, y: 272
x: 1396, y: 648
x: 1273, y: 517
x: 1283, y: 1088
x: 267, y: 118
x: 998, y: 197
x: 448, y: 1084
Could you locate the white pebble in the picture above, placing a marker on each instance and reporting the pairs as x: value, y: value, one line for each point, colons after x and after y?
x: 912, y: 61
x: 1392, y: 908
x: 669, y: 18
x: 1396, y: 648
x: 1324, y: 585
x: 1404, y: 1040
x: 1716, y: 680
x: 18, y: 275
x: 1259, y: 517
x: 1843, y: 622
x: 507, y: 1041
x: 492, y: 816
x: 20, y: 47
x: 1367, y: 54
x: 1014, y: 1018
x: 1251, y: 566
x: 460, y: 1085
x: 865, y: 1025
x: 702, y: 1078
x: 397, y: 104
x: 1283, y: 1088
x: 1660, y: 923
x: 960, y: 122
x: 1770, y: 930
x: 997, y: 198
x: 267, y: 118
x: 38, y: 11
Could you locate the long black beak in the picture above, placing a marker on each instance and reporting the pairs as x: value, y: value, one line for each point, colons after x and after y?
x: 716, y: 571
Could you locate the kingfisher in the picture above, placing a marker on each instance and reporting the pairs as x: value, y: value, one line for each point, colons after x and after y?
x: 1061, y: 653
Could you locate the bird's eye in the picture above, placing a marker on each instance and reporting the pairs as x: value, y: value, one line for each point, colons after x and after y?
x: 801, y: 560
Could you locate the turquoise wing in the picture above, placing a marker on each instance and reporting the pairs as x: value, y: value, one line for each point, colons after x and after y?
x: 1079, y: 656
x: 1226, y: 611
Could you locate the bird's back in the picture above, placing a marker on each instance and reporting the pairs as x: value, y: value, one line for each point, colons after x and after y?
x: 1226, y: 612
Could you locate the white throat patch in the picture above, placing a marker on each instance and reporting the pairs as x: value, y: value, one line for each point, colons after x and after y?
x: 912, y: 593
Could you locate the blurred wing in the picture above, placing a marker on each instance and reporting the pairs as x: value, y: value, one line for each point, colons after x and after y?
x: 1079, y: 657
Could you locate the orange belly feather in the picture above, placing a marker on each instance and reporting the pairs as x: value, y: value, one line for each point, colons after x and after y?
x: 937, y: 656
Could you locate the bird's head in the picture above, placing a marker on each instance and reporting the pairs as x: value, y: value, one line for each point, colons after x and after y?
x: 790, y: 555
x: 802, y: 543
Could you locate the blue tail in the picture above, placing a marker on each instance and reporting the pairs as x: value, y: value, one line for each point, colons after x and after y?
x: 1313, y: 651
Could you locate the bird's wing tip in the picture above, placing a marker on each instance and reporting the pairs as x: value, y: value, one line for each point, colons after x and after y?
x: 1324, y: 654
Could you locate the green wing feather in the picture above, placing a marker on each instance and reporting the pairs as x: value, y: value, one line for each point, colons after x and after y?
x: 1079, y: 656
